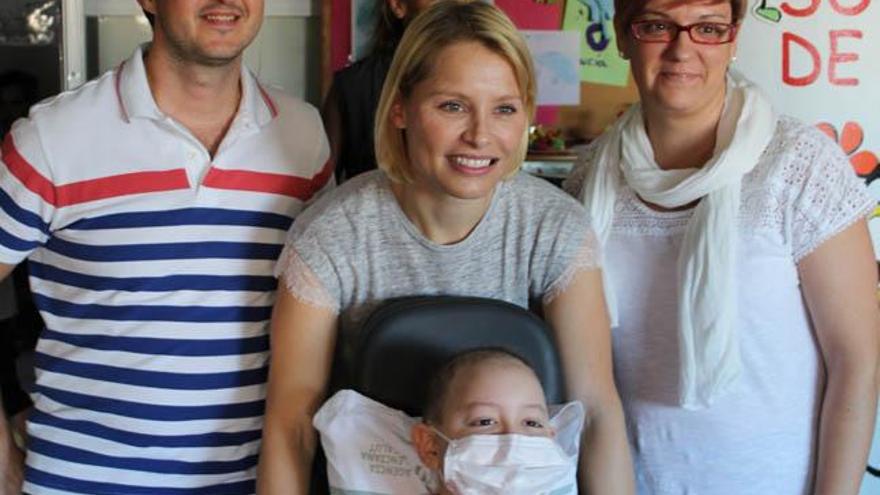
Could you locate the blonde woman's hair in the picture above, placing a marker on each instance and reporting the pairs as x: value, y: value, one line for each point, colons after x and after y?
x: 443, y: 24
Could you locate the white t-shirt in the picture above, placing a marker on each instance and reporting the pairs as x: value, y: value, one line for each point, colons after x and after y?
x: 761, y: 437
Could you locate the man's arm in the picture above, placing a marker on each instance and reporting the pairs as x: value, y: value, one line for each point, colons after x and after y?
x: 839, y: 280
x: 580, y: 322
x: 5, y: 270
x: 11, y: 458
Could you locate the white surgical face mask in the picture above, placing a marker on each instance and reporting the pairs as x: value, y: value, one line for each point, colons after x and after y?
x: 508, y: 464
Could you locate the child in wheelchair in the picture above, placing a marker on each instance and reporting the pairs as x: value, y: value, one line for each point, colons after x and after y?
x: 486, y: 429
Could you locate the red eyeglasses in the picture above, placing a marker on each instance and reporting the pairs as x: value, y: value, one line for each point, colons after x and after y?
x: 704, y: 33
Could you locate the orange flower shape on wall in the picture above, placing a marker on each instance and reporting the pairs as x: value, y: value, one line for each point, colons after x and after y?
x: 851, y: 139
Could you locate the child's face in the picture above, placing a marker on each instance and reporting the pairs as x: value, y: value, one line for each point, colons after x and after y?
x: 498, y: 396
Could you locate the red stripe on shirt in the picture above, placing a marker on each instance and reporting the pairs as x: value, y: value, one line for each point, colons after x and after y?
x: 268, y: 100
x: 26, y: 173
x: 121, y: 185
x: 287, y: 185
x: 89, y: 190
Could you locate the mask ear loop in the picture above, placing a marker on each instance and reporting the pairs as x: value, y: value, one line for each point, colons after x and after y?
x: 440, y: 434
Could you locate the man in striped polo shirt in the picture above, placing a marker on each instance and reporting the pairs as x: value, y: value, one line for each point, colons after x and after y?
x: 151, y: 205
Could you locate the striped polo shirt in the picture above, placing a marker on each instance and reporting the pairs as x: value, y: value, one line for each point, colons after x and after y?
x: 151, y: 263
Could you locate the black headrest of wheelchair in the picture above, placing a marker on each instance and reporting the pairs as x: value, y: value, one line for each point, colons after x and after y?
x: 406, y: 340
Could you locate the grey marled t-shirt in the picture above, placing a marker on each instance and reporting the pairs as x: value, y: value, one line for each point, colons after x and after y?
x: 362, y: 249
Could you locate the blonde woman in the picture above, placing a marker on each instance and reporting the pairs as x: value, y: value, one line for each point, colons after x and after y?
x: 739, y: 268
x: 448, y: 213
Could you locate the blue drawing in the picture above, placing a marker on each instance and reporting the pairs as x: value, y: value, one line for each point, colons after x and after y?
x: 557, y: 67
x: 598, y: 10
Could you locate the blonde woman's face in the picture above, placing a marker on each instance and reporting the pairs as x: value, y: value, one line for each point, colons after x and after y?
x: 464, y: 124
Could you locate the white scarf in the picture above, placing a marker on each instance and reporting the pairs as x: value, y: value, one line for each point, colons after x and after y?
x: 709, y: 349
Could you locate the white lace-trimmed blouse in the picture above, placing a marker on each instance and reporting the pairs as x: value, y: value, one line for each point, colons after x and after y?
x: 760, y: 438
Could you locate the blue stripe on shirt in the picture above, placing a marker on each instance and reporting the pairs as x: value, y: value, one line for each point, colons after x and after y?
x: 186, y: 216
x: 154, y: 379
x: 152, y: 412
x: 21, y: 215
x: 154, y: 284
x: 166, y: 251
x: 57, y: 482
x: 81, y: 456
x: 213, y: 439
x: 14, y: 243
x: 163, y: 347
x: 194, y: 314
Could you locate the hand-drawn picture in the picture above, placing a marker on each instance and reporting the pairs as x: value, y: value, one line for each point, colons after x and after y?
x: 850, y: 139
x: 765, y: 12
x: 556, y: 55
x: 600, y: 61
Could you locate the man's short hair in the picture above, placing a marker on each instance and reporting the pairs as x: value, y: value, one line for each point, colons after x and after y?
x: 438, y: 388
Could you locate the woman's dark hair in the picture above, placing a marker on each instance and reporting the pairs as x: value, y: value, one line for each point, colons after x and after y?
x: 388, y: 28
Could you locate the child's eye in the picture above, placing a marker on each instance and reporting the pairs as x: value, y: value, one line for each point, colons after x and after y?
x: 482, y: 422
x: 533, y: 423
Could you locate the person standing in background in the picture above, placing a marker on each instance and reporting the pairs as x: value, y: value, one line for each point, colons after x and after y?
x: 738, y: 254
x: 151, y: 205
x: 350, y: 107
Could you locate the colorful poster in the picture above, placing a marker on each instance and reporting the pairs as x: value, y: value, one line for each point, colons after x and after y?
x: 600, y: 62
x: 556, y: 55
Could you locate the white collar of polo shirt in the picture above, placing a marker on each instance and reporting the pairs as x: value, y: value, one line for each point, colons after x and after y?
x: 136, y: 99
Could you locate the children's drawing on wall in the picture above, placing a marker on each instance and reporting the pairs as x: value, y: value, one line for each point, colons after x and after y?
x: 556, y: 57
x: 765, y: 12
x: 600, y: 61
x: 851, y: 138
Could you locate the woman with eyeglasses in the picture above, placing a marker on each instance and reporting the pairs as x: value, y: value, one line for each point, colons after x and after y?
x: 738, y: 268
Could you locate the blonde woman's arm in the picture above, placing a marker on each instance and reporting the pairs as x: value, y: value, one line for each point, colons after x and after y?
x: 580, y: 322
x: 302, y: 340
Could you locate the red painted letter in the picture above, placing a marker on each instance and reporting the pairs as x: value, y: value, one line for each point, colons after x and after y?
x: 787, y: 78
x: 855, y: 10
x: 804, y: 12
x: 840, y: 58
